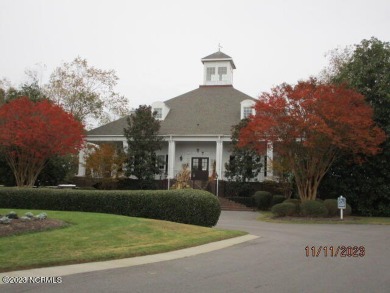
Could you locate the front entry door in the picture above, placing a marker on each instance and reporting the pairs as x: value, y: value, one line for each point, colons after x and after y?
x: 200, y: 169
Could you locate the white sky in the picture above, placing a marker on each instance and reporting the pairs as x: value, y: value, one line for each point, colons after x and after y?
x: 155, y: 47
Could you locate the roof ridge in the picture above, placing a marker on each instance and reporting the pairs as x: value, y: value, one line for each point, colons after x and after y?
x: 217, y: 55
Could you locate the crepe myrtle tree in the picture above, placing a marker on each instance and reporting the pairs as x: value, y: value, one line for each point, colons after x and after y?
x: 58, y: 168
x: 33, y: 132
x: 310, y: 124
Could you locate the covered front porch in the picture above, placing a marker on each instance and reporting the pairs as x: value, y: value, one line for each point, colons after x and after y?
x: 205, y: 156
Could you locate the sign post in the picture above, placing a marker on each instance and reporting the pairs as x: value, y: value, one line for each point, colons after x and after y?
x: 341, y: 204
x: 216, y: 177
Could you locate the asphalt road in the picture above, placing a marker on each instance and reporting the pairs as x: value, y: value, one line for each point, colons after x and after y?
x: 274, y: 262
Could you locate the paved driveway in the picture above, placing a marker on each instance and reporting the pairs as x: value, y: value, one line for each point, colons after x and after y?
x: 274, y: 262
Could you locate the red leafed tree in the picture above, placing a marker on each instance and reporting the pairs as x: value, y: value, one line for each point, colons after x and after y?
x: 31, y: 133
x: 310, y: 124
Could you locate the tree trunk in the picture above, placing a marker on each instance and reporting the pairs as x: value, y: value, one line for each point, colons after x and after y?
x: 25, y: 170
x: 309, y: 172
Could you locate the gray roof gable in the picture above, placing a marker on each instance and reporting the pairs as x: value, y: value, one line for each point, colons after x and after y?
x: 218, y: 56
x: 208, y: 110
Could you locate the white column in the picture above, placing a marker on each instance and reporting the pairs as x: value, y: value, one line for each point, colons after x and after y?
x: 81, y: 171
x: 270, y: 159
x: 125, y: 146
x: 171, y: 158
x: 218, y: 157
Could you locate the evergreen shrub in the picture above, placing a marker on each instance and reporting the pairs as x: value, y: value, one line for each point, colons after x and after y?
x: 284, y: 209
x: 188, y: 206
x: 348, y: 210
x: 296, y: 202
x: 313, y: 208
x: 235, y: 189
x: 331, y: 205
x: 333, y: 210
x: 276, y: 199
x: 263, y: 200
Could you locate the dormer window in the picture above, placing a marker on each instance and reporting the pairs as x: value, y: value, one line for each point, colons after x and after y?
x: 160, y: 109
x: 158, y: 113
x: 247, y: 108
x: 210, y: 72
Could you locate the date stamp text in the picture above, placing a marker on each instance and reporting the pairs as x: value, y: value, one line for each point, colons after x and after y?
x: 335, y: 251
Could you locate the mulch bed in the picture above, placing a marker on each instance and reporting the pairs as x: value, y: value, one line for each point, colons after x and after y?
x: 18, y: 226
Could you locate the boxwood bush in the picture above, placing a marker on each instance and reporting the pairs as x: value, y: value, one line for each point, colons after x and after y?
x: 333, y: 210
x: 189, y: 206
x: 296, y: 202
x: 331, y: 205
x: 284, y: 209
x: 313, y: 208
x: 293, y: 200
x: 277, y: 199
x: 263, y: 200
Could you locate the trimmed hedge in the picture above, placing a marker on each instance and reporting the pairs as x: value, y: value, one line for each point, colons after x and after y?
x: 333, y: 210
x: 313, y: 208
x: 263, y: 200
x: 276, y: 199
x: 247, y: 201
x: 331, y: 205
x: 293, y: 200
x: 189, y: 206
x: 238, y: 189
x: 284, y: 209
x: 296, y: 202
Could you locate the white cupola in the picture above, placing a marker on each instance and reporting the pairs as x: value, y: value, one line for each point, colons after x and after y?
x: 218, y: 69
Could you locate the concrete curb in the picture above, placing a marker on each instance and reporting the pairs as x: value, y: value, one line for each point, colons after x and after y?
x: 60, y: 271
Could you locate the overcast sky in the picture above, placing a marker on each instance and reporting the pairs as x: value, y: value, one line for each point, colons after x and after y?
x: 155, y: 47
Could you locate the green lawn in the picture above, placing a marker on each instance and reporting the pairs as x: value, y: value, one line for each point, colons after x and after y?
x: 96, y: 237
x: 268, y: 217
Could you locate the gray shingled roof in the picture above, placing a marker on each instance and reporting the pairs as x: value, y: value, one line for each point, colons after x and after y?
x: 217, y: 55
x: 113, y: 128
x: 208, y: 110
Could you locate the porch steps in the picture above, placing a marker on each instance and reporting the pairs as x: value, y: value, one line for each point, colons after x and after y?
x: 228, y: 205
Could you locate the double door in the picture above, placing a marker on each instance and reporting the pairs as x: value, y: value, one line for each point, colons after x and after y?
x: 199, y: 168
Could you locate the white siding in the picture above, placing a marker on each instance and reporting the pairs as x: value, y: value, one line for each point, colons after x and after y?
x: 215, y: 80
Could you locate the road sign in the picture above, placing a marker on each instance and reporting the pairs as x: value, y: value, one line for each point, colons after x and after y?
x: 341, y: 202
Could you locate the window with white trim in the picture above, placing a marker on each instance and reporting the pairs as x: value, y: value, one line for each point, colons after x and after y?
x: 247, y: 108
x: 158, y: 113
x: 247, y: 112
